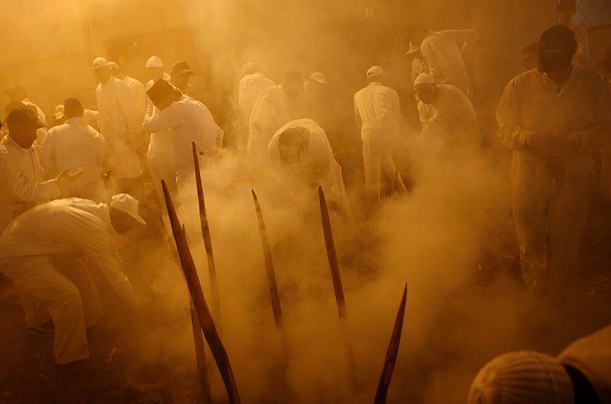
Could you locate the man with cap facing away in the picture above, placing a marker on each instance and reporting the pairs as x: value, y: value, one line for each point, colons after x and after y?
x: 24, y: 182
x: 76, y: 145
x: 74, y: 227
x: 553, y: 118
x: 448, y: 120
x: 378, y: 113
x: 120, y: 128
x: 154, y: 71
x: 566, y: 11
x: 252, y: 84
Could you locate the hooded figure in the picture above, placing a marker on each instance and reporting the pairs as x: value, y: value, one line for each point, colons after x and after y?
x: 300, y: 153
x: 553, y: 119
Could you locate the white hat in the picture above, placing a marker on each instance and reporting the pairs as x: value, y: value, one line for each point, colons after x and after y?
x: 99, y: 62
x: 59, y: 111
x: 154, y: 61
x: 523, y: 377
x: 249, y: 68
x: 318, y: 76
x: 127, y: 204
x: 412, y: 49
x: 375, y: 71
x: 113, y: 65
x: 424, y: 78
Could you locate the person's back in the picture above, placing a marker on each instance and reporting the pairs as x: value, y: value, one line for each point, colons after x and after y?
x: 250, y: 88
x: 378, y: 107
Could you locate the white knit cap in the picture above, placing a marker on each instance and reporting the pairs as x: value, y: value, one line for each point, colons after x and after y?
x: 99, y: 62
x: 375, y: 71
x: 113, y: 65
x: 127, y: 204
x: 318, y: 76
x: 154, y: 61
x: 523, y: 377
x: 424, y: 78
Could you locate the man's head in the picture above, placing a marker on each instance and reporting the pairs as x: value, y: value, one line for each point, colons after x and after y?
x: 101, y: 69
x: 291, y: 145
x: 181, y: 73
x: 73, y: 108
x: 557, y: 46
x: 530, y: 56
x: 293, y: 83
x: 375, y: 73
x: 16, y: 93
x: 124, y: 213
x: 566, y: 11
x: 162, y: 94
x: 154, y: 68
x: 426, y: 88
x: 22, y: 122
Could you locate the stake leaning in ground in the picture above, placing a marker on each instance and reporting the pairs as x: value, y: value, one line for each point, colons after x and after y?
x: 201, y: 307
x: 337, y: 287
x: 269, y: 265
x: 203, y: 218
x: 391, y: 353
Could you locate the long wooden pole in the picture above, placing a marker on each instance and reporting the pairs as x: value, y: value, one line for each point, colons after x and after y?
x: 337, y: 287
x: 201, y: 307
x: 203, y: 218
x: 269, y: 265
x: 391, y: 353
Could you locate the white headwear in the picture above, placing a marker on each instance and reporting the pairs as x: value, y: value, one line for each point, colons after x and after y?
x: 113, y: 65
x: 375, y: 71
x: 424, y: 78
x: 412, y: 49
x: 249, y: 68
x: 318, y: 76
x: 127, y: 204
x: 99, y: 62
x: 154, y: 61
x: 523, y: 377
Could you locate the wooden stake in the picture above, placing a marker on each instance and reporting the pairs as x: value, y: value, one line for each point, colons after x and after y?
x: 391, y: 353
x: 337, y: 287
x: 199, y: 302
x: 269, y: 265
x: 203, y: 218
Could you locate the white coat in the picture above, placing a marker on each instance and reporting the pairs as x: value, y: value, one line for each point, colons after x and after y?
x: 250, y: 88
x: 442, y: 52
x: 72, y: 146
x: 139, y: 95
x: 551, y: 189
x: 24, y: 182
x: 119, y: 126
x: 66, y: 226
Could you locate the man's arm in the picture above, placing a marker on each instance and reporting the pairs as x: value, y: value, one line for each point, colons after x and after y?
x: 430, y: 56
x: 170, y: 117
x: 24, y: 190
x: 508, y: 115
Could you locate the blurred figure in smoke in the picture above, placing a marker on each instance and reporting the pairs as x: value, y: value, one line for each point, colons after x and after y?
x: 135, y: 86
x: 566, y: 11
x: 180, y: 75
x: 448, y: 119
x: 579, y: 375
x: 530, y: 56
x: 443, y: 52
x: 252, y: 84
x: 182, y: 121
x: 17, y: 93
x: 91, y: 117
x: 378, y: 114
x: 69, y: 227
x: 553, y: 119
x: 154, y: 71
x: 318, y: 97
x: 275, y: 106
x: 76, y: 145
x: 418, y: 64
x: 24, y: 182
x: 120, y: 128
x: 301, y: 155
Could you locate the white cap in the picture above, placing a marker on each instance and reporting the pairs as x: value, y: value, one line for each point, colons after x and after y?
x: 113, y: 65
x: 99, y: 62
x: 154, y: 61
x: 412, y: 49
x: 127, y: 204
x: 375, y: 71
x: 424, y: 78
x: 523, y: 377
x: 59, y: 111
x: 318, y: 76
x: 249, y: 68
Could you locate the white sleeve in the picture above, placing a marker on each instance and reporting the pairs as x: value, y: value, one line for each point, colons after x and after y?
x: 166, y: 119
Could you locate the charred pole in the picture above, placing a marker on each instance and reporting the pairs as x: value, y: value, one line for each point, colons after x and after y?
x: 269, y: 265
x: 199, y: 302
x: 337, y: 287
x: 203, y: 218
x: 391, y: 353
